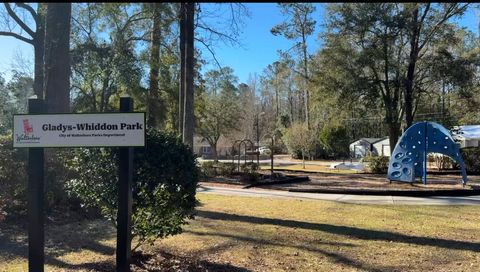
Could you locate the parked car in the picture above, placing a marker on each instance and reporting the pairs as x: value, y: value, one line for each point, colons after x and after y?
x: 264, y: 150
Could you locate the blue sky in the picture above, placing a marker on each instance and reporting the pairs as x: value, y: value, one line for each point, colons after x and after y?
x: 259, y: 45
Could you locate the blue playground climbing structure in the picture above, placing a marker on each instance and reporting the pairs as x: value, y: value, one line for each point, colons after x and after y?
x: 409, y: 158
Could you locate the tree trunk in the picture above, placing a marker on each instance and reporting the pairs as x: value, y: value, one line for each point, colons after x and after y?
x: 300, y: 107
x: 409, y: 92
x: 276, y: 104
x: 303, y: 159
x: 189, y: 122
x: 411, y: 69
x: 394, y: 134
x: 57, y: 57
x: 276, y: 94
x: 181, y: 91
x: 154, y: 105
x: 305, y: 71
x: 292, y: 107
x: 214, y: 150
x: 39, y: 50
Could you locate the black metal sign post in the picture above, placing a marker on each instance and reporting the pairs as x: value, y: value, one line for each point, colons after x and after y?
x: 36, y: 213
x: 36, y: 240
x: 124, y: 215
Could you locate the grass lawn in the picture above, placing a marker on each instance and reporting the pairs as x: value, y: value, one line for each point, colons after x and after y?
x: 257, y: 234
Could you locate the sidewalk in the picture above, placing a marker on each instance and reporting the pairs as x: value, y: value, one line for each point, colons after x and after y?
x: 357, y: 199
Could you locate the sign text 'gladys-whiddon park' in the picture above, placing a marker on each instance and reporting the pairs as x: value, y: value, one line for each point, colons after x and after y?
x: 79, y: 130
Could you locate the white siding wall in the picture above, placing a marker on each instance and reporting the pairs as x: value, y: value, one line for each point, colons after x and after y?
x: 359, y: 149
x: 382, y: 147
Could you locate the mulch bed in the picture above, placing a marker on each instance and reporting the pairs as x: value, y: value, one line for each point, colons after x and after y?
x: 361, y: 181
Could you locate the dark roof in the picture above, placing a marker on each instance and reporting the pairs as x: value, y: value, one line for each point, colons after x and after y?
x: 371, y: 140
x: 380, y: 139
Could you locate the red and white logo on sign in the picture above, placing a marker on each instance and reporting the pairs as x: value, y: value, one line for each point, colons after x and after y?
x: 27, y: 128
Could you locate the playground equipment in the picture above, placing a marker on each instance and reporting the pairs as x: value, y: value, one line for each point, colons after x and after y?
x: 250, y: 146
x: 409, y: 158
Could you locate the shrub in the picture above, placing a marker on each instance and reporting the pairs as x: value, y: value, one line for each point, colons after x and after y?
x: 208, y: 169
x: 164, y: 184
x: 377, y: 164
x: 249, y: 172
x: 56, y: 172
x: 213, y: 169
x: 300, y: 141
x: 471, y: 156
x: 13, y: 177
x: 227, y: 168
x: 249, y: 167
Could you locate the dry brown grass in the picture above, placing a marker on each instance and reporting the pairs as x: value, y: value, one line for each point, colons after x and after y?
x: 260, y: 234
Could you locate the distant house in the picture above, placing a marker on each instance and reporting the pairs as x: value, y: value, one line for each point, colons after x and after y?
x: 370, y: 146
x: 382, y: 147
x: 202, y: 148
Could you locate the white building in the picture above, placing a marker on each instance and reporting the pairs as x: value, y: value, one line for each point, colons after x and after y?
x: 467, y: 136
x: 203, y: 149
x: 382, y: 147
x: 370, y: 146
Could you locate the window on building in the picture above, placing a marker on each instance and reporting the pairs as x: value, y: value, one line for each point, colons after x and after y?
x: 206, y: 149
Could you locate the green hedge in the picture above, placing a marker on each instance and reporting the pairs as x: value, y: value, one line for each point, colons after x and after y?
x: 164, y: 184
x: 227, y: 168
x: 13, y: 177
x: 248, y: 171
x: 377, y: 164
x: 212, y: 169
x: 208, y: 169
x: 471, y: 156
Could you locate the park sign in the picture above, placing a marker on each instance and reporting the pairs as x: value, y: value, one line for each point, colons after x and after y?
x: 37, y: 130
x: 79, y: 130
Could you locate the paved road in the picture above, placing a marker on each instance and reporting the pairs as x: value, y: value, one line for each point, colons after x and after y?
x: 359, y: 199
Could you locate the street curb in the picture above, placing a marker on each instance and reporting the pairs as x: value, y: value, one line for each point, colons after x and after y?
x: 460, y: 192
x: 285, y: 181
x: 430, y: 172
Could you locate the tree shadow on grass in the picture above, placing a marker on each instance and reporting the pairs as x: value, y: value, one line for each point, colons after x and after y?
x: 339, y: 258
x: 59, y: 240
x: 100, y: 266
x: 151, y: 262
x: 164, y: 261
x: 85, y: 235
x: 263, y: 241
x: 359, y: 233
x: 78, y: 236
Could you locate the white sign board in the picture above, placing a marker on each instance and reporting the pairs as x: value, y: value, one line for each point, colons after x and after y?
x: 79, y: 130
